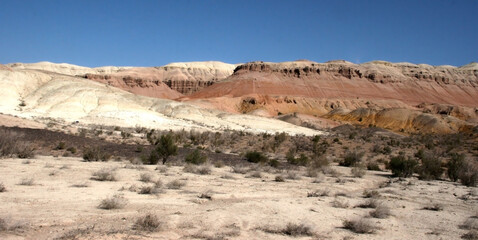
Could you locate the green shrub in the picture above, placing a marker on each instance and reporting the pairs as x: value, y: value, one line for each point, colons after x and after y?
x: 401, y: 166
x: 165, y: 147
x: 196, y: 157
x: 255, y: 157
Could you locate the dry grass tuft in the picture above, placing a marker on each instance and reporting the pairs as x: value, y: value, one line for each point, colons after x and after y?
x: 2, y: 188
x: 115, y: 202
x: 206, y: 195
x: 81, y: 185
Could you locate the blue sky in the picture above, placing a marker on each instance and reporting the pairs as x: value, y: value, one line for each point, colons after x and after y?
x: 154, y: 33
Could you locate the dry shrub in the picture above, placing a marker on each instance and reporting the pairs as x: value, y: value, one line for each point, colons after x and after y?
x: 162, y: 168
x: 370, y: 203
x: 207, y: 195
x: 381, y: 211
x: 3, y: 225
x: 340, y: 203
x: 469, y: 173
x: 358, y: 171
x: 433, y: 207
x: 105, y: 174
x: 471, y: 235
x: 80, y: 185
x: 175, y: 184
x: 240, y: 169
x: 470, y: 224
x: 319, y: 193
x: 115, y: 202
x: 204, y: 170
x: 359, y: 226
x: 371, y: 194
x: 227, y: 176
x: 291, y: 229
x: 95, y: 154
x: 279, y: 178
x: 27, y: 181
x: 148, y: 222
x: 292, y: 175
x: 255, y: 174
x: 146, y: 177
x: 2, y: 188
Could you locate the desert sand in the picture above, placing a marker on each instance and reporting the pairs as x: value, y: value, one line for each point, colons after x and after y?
x: 240, y: 207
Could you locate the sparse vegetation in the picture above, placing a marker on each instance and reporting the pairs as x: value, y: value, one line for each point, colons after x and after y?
x: 2, y: 187
x: 351, y: 159
x: 340, y: 203
x: 358, y: 171
x: 319, y: 193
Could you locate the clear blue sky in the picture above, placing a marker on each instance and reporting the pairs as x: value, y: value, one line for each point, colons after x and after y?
x: 153, y: 33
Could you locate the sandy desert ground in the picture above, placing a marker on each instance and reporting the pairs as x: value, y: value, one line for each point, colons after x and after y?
x: 57, y: 198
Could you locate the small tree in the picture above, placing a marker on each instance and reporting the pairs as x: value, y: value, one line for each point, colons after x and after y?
x: 166, y: 147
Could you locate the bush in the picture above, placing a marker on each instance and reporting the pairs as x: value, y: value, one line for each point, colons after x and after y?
x: 95, y: 154
x: 115, y: 202
x: 196, y: 157
x: 279, y: 178
x: 2, y: 188
x: 401, y: 166
x: 105, y: 174
x: 24, y: 150
x: 297, y: 230
x: 351, y: 158
x: 255, y: 157
x: 471, y: 235
x: 148, y: 222
x: 359, y: 226
x: 373, y: 166
x: 430, y: 168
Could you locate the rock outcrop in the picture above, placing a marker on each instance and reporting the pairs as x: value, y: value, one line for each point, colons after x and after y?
x: 184, y: 78
x: 318, y: 88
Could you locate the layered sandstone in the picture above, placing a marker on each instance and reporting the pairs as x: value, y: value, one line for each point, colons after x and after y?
x: 319, y: 88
